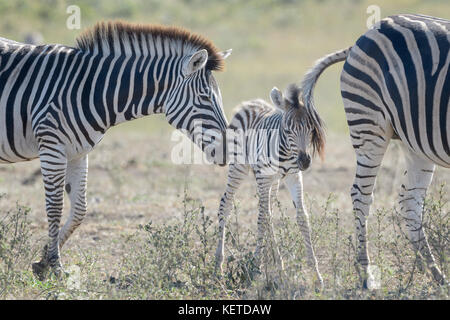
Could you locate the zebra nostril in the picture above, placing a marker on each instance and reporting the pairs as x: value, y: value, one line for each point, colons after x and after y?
x: 308, y: 159
x: 304, y: 160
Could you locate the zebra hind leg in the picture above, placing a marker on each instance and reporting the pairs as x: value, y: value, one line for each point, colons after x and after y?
x: 418, y: 176
x: 236, y: 174
x: 369, y: 155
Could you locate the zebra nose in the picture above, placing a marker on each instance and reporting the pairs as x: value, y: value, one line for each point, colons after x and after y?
x: 304, y: 161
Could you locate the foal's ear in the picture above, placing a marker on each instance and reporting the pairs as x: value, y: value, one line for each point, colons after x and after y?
x: 277, y: 98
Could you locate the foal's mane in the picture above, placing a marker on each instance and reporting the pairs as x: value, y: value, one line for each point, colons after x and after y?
x: 108, y: 32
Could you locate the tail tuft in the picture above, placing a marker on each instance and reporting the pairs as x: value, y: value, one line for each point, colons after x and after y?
x: 308, y: 84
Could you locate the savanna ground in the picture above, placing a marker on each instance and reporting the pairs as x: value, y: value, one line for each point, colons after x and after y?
x: 150, y: 232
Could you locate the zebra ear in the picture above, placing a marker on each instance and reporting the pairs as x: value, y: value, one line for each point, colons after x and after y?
x: 196, y: 62
x: 277, y: 98
x: 225, y: 54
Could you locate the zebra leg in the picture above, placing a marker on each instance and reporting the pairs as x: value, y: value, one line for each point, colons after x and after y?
x: 295, y: 185
x: 274, y: 192
x: 418, y: 176
x: 53, y: 168
x: 236, y: 173
x: 265, y: 225
x: 76, y: 180
x: 368, y: 160
x: 273, y: 199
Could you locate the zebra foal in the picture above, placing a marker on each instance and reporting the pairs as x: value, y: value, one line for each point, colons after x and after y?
x: 274, y: 143
x: 57, y: 102
x: 395, y: 84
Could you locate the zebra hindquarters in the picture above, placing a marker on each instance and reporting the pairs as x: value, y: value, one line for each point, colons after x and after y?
x: 418, y: 176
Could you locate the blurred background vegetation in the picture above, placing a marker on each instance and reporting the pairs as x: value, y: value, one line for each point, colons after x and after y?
x: 131, y: 172
x: 273, y: 41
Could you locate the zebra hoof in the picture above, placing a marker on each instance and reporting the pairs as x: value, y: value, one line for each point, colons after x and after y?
x: 364, y: 285
x: 40, y: 270
x: 318, y: 285
x: 218, y: 273
x: 59, y: 273
x: 438, y: 276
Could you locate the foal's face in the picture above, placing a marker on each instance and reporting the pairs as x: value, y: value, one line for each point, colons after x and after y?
x: 298, y: 135
x: 294, y: 125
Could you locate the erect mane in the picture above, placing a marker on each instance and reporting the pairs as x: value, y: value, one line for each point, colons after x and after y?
x: 107, y: 32
x: 292, y: 95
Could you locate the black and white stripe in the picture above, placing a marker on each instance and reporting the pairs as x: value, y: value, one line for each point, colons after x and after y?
x: 57, y: 102
x: 274, y: 143
x: 395, y: 84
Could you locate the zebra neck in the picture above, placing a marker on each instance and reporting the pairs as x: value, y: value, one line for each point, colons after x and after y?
x: 129, y: 87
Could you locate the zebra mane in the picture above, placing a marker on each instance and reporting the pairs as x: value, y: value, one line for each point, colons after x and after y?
x: 293, y: 96
x: 107, y: 34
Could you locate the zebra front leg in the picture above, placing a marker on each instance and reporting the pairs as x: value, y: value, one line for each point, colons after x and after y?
x: 265, y: 225
x: 76, y: 181
x: 418, y: 176
x: 294, y: 184
x: 53, y: 168
x: 236, y: 174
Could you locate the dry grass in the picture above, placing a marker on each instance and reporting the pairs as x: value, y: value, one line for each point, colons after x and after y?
x: 151, y: 230
x: 132, y: 181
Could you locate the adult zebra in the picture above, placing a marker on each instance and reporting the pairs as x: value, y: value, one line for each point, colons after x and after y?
x: 395, y: 84
x: 56, y: 103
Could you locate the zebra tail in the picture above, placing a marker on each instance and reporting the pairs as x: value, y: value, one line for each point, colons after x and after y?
x: 311, y: 77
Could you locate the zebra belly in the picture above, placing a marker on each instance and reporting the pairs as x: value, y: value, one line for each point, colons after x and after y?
x: 22, y: 150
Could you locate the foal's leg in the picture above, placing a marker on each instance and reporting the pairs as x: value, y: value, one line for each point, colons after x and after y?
x: 265, y: 225
x: 418, y: 176
x: 274, y: 192
x: 236, y: 173
x: 295, y: 185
